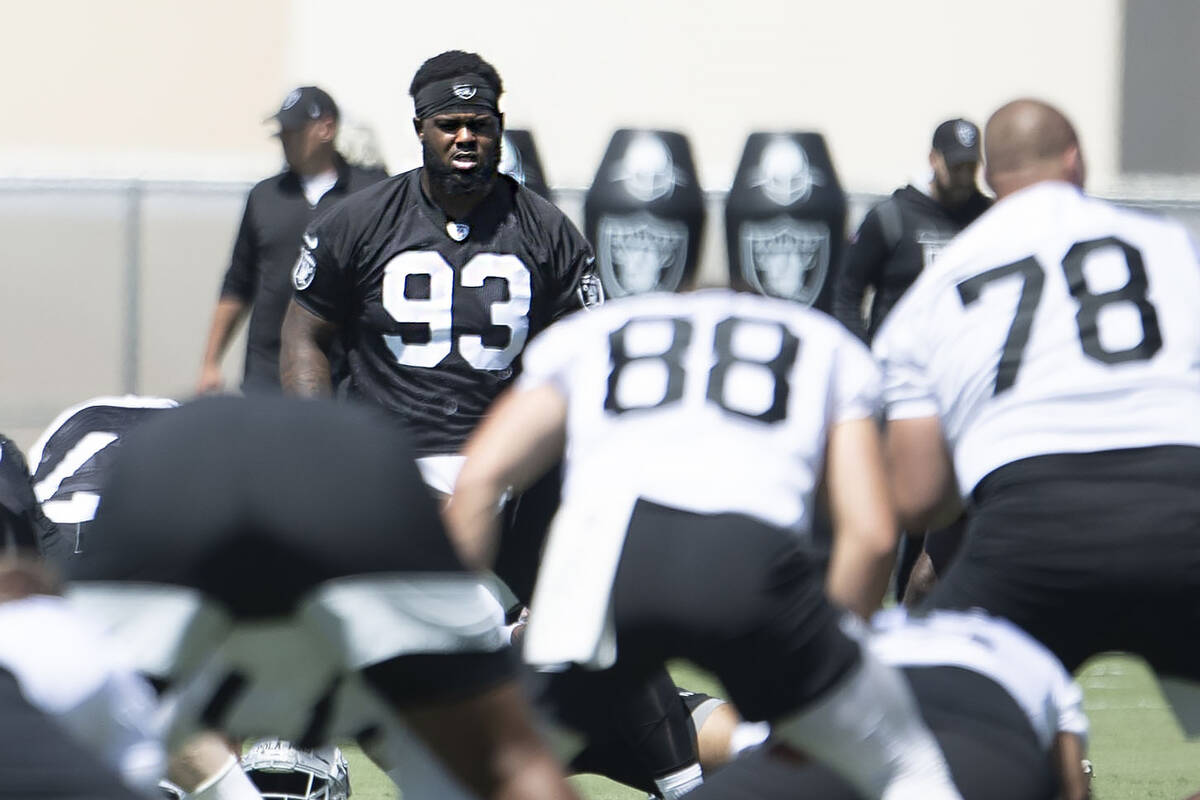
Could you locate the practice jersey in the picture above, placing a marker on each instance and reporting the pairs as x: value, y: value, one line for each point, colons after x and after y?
x: 434, y: 313
x: 711, y: 402
x: 1056, y: 323
x: 992, y: 647
x: 73, y: 455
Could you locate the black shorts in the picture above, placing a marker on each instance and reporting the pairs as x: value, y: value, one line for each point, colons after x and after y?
x: 741, y: 598
x: 1088, y: 553
x: 988, y: 742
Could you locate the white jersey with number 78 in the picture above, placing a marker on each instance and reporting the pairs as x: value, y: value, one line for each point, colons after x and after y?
x: 1056, y: 323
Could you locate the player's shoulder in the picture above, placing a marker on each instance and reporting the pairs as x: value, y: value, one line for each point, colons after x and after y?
x: 111, y: 413
x: 535, y: 211
x: 272, y: 186
x: 366, y: 205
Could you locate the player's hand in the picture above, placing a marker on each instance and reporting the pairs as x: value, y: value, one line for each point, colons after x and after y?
x: 211, y: 380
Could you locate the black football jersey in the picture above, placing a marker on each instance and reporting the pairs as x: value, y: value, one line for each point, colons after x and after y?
x: 72, y: 457
x: 434, y: 313
x: 20, y: 517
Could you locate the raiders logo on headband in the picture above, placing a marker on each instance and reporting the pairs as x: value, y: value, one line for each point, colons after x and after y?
x: 785, y: 257
x: 640, y: 253
x: 464, y: 91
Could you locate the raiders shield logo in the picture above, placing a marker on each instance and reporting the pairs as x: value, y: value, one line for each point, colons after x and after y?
x: 640, y: 253
x: 785, y: 257
x: 305, y: 269
x: 591, y: 291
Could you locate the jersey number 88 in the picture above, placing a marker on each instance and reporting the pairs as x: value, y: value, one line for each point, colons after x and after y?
x: 774, y: 400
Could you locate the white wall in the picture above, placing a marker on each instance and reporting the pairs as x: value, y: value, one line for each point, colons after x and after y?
x: 177, y: 88
x: 875, y: 77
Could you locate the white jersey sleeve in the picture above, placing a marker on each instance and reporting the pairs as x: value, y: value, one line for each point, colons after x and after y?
x: 856, y: 384
x: 1056, y: 323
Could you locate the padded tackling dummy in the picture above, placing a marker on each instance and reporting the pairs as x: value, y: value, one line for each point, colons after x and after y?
x: 785, y: 219
x: 519, y: 160
x: 645, y: 213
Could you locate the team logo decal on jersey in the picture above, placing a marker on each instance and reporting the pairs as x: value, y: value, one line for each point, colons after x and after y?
x: 310, y: 241
x: 591, y: 290
x: 641, y: 253
x: 647, y: 170
x: 932, y: 243
x: 304, y: 271
x: 463, y: 91
x: 785, y: 257
x: 458, y: 231
x: 965, y: 133
x: 783, y: 172
x: 510, y: 160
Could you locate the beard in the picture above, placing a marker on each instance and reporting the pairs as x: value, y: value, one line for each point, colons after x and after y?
x: 448, y: 180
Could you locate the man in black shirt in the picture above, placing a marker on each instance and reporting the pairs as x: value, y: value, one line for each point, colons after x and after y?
x: 901, y: 235
x: 277, y: 212
x: 896, y: 240
x: 434, y: 279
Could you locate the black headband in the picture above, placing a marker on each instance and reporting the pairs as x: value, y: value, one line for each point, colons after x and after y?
x: 466, y: 92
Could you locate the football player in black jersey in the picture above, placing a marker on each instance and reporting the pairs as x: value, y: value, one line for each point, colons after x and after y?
x: 23, y: 526
x: 435, y: 279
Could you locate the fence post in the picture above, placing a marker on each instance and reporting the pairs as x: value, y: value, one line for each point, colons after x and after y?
x: 133, y: 270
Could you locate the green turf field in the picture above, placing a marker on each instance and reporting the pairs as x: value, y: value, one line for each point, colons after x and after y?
x: 1138, y: 749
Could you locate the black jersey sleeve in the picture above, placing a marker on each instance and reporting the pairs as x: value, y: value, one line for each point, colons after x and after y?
x: 19, y: 511
x: 319, y: 277
x: 240, y: 277
x: 861, y: 267
x: 576, y: 283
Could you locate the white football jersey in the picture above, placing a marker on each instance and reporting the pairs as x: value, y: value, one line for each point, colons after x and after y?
x: 71, y: 675
x: 1056, y: 323
x: 992, y: 647
x: 712, y: 401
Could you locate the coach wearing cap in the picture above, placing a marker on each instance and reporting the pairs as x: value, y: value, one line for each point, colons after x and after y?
x: 900, y: 236
x: 277, y: 212
x: 897, y: 239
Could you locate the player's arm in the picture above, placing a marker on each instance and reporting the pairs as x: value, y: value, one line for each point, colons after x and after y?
x: 304, y: 353
x: 921, y: 474
x: 230, y: 312
x: 1068, y: 754
x: 522, y: 437
x: 489, y: 742
x: 237, y: 292
x: 864, y: 525
x: 860, y: 268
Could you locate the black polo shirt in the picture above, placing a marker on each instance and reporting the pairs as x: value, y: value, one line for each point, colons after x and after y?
x: 277, y: 212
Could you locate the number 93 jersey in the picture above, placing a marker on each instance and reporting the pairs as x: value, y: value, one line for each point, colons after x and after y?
x: 1056, y: 323
x: 713, y: 401
x: 434, y: 313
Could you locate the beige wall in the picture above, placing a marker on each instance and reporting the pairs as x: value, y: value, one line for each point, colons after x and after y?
x: 875, y: 77
x: 178, y: 89
x: 140, y: 87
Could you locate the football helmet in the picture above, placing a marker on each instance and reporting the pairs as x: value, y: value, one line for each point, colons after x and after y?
x: 282, y: 772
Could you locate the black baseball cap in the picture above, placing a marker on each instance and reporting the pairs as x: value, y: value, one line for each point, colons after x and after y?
x: 958, y: 141
x: 302, y: 106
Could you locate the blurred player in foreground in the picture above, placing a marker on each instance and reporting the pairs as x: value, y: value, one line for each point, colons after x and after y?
x: 696, y: 428
x: 231, y: 575
x: 1006, y: 714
